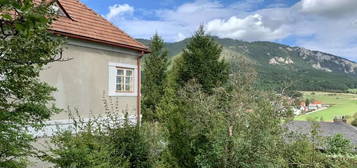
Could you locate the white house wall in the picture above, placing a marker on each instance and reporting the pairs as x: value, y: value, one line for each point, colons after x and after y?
x: 82, y: 81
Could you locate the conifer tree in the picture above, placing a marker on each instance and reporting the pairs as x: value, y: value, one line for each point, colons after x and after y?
x: 155, y: 65
x: 201, y: 61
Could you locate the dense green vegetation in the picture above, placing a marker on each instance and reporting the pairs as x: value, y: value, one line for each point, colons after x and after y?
x: 210, y: 115
x: 227, y: 124
x: 354, y: 91
x: 155, y: 67
x: 26, y: 47
x: 299, y: 75
x: 342, y: 104
x: 200, y: 61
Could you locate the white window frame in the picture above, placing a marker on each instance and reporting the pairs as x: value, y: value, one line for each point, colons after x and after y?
x: 124, y: 83
x: 112, y: 89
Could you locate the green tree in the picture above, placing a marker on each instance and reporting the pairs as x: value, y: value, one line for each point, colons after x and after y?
x: 236, y: 126
x: 25, y: 47
x: 155, y: 66
x: 201, y: 60
x: 339, y: 145
x: 307, y: 102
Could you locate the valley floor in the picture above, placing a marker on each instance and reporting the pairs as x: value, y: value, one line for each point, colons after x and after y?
x: 341, y: 104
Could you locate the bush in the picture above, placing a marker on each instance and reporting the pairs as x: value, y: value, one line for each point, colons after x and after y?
x: 97, y: 144
x: 339, y: 145
x: 354, y: 120
x: 129, y: 148
x: 82, y: 150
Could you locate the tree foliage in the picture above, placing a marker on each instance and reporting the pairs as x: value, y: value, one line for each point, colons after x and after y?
x: 234, y: 126
x: 110, y: 141
x: 155, y: 67
x: 25, y: 47
x: 339, y: 145
x: 201, y: 61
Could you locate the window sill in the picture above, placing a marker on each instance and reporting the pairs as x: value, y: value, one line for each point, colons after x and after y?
x: 117, y: 94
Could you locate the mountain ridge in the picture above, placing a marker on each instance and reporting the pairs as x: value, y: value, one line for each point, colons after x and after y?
x: 277, y: 63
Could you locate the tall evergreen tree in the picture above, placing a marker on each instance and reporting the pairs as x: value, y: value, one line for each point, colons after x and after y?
x: 201, y: 61
x: 155, y: 66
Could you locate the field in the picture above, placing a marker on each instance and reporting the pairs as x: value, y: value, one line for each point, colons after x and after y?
x: 342, y: 104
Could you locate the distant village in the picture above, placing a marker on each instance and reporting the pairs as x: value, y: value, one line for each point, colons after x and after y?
x: 306, y: 106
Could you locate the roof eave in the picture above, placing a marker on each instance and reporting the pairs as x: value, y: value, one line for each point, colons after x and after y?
x: 139, y: 49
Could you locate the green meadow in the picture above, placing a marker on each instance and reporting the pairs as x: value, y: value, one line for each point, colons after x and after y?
x: 341, y: 104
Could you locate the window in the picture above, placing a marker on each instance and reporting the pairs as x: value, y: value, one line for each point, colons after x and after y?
x: 124, y: 80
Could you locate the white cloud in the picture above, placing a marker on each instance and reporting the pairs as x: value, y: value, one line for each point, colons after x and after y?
x: 330, y: 8
x: 196, y: 13
x: 250, y: 28
x: 118, y: 10
x: 173, y: 24
x: 326, y: 25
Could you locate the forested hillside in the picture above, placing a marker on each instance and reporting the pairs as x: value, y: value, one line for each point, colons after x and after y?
x: 278, y: 65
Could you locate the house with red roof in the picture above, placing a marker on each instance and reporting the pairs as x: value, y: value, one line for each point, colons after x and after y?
x: 103, y: 62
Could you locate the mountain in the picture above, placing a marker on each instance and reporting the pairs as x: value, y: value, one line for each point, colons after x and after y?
x: 277, y: 64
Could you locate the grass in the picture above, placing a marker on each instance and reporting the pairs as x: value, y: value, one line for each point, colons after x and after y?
x: 342, y: 104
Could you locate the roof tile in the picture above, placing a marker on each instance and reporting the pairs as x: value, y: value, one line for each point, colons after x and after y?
x: 87, y: 24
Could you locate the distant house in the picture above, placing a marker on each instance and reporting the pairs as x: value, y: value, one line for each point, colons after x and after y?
x: 326, y: 129
x: 104, y: 61
x: 315, y: 105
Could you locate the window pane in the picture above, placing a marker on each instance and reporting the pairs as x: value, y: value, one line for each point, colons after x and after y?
x: 129, y: 73
x: 127, y: 88
x: 120, y: 72
x: 119, y: 80
x: 127, y: 80
x: 118, y: 88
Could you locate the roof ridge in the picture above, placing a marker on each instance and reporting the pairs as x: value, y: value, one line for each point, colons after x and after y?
x: 107, y: 21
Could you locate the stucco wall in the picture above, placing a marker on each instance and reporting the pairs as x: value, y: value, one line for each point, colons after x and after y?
x: 82, y: 81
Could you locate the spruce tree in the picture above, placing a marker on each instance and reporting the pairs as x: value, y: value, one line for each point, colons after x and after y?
x: 155, y: 65
x: 201, y: 62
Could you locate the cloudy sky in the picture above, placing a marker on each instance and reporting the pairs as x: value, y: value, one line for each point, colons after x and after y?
x: 325, y: 25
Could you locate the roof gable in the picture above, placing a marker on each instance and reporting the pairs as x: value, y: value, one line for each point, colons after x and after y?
x: 84, y: 23
x: 60, y: 10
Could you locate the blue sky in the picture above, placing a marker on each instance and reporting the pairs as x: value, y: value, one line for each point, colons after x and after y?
x: 325, y: 25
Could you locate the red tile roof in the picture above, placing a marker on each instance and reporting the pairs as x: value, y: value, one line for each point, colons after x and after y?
x: 86, y: 24
x: 316, y: 102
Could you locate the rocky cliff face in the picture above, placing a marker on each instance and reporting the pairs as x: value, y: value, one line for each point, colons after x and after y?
x: 327, y: 62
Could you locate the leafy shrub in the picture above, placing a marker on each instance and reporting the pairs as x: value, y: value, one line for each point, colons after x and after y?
x: 97, y: 144
x: 82, y: 150
x: 354, y: 120
x: 339, y: 145
x: 129, y: 148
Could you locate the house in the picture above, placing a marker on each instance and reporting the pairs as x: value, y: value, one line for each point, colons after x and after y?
x: 102, y: 62
x: 315, y: 105
x: 325, y: 129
